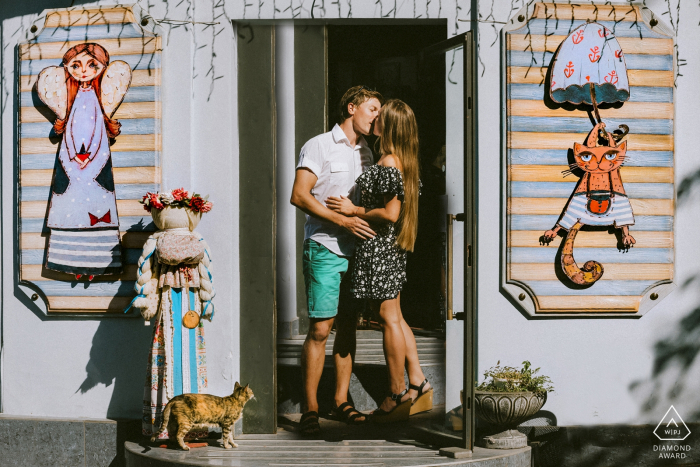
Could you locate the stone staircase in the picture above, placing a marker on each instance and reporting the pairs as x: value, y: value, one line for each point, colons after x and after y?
x: 369, y: 380
x: 287, y: 449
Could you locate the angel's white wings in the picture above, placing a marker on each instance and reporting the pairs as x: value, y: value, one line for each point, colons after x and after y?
x: 52, y: 90
x: 115, y: 83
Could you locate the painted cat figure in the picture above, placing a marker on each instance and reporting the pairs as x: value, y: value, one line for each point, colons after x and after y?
x: 188, y: 411
x: 599, y: 199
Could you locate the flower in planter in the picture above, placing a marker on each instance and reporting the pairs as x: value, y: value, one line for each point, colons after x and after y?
x: 511, y: 379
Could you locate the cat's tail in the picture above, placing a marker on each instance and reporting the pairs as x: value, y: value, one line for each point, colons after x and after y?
x: 591, y: 271
x: 166, y: 417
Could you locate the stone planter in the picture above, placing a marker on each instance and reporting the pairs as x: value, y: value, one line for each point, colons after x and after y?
x: 502, y: 412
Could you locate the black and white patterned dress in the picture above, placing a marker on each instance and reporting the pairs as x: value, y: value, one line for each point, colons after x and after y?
x: 380, y: 266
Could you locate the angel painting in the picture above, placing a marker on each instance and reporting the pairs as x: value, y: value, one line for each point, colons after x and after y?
x: 84, y: 92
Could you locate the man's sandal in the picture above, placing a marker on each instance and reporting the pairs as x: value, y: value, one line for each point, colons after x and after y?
x: 397, y: 414
x: 308, y: 425
x: 424, y: 401
x: 345, y: 412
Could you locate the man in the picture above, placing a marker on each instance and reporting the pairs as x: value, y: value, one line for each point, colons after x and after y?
x: 328, y: 166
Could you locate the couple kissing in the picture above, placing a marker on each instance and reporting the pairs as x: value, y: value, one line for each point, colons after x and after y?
x: 361, y: 220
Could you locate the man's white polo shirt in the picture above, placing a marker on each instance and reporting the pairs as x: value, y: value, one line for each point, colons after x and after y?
x: 337, y: 165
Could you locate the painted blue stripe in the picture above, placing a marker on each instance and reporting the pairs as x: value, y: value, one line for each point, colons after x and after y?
x: 564, y: 27
x: 119, y: 159
x: 86, y: 289
x: 583, y: 125
x: 602, y: 255
x: 90, y: 33
x: 559, y: 157
x: 126, y: 223
x: 193, y: 352
x: 136, y: 62
x: 177, y: 341
x: 142, y: 94
x: 130, y: 256
x: 81, y: 247
x: 633, y: 61
x: 534, y: 222
x: 135, y: 191
x: 637, y: 93
x: 85, y: 236
x: 543, y: 288
x: 564, y: 190
x: 135, y: 126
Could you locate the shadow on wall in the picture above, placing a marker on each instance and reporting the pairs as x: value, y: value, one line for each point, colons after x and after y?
x: 674, y: 377
x: 118, y: 356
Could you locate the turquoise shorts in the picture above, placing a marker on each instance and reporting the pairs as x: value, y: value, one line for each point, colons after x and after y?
x: 323, y: 274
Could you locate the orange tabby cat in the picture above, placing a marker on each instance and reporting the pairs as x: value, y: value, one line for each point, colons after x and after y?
x: 187, y: 411
x: 599, y: 199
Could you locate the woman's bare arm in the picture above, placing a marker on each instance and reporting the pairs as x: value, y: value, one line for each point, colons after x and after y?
x: 388, y: 214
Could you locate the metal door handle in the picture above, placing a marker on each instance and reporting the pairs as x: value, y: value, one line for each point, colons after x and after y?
x: 450, y: 219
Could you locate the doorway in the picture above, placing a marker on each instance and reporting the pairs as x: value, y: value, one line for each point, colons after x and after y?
x: 387, y: 58
x: 324, y: 66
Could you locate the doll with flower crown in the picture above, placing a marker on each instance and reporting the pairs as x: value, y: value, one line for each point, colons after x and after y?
x: 174, y: 288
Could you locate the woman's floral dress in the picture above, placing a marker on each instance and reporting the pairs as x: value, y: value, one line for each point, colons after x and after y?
x: 380, y: 265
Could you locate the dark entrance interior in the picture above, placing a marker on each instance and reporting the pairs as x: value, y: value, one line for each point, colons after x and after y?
x: 387, y: 59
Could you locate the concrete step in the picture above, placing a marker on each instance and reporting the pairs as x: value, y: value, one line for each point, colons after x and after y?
x: 370, y: 350
x: 369, y: 382
x: 406, y: 446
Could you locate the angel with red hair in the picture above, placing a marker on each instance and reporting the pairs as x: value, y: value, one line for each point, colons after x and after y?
x: 84, y: 92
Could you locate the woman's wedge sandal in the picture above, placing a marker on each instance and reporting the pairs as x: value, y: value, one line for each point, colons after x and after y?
x: 424, y: 401
x: 397, y: 414
x: 308, y: 425
x: 345, y: 412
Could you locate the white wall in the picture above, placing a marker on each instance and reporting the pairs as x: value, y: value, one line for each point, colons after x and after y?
x: 605, y: 371
x: 97, y: 367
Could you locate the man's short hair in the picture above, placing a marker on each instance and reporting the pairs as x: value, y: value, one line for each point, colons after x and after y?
x: 357, y: 95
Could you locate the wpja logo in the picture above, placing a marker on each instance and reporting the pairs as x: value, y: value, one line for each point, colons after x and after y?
x: 672, y: 428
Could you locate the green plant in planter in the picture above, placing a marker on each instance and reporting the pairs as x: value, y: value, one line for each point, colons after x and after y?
x: 511, y: 379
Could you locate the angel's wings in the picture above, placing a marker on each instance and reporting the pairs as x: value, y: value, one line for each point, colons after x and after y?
x: 115, y: 83
x: 51, y: 87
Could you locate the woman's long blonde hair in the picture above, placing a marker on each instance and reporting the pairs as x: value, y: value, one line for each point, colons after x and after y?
x: 400, y: 137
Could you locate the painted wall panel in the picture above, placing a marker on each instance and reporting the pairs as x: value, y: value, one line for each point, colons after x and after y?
x: 137, y: 150
x: 538, y: 154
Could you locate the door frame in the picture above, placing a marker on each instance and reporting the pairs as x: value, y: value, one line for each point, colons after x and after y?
x: 256, y: 97
x: 467, y: 41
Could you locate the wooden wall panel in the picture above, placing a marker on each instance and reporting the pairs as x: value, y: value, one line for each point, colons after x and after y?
x: 135, y: 154
x: 537, y: 139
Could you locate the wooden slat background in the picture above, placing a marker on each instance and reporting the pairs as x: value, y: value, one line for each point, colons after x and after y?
x: 538, y: 139
x: 135, y: 155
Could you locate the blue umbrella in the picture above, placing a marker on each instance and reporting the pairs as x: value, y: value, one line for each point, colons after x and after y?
x: 589, y: 67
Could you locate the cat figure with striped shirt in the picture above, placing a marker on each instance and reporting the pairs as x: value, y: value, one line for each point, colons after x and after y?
x: 598, y: 200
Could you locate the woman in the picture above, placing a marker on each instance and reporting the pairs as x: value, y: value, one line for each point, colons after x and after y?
x: 390, y: 203
x: 83, y: 209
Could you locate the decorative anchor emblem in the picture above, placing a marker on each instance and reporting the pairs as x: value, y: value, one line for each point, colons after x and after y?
x: 595, y: 54
x: 569, y: 70
x: 611, y: 78
x: 578, y: 37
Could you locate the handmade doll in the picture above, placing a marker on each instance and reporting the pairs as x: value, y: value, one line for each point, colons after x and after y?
x: 84, y: 93
x: 174, y: 288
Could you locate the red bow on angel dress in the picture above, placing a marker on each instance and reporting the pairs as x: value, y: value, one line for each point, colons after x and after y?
x: 94, y: 219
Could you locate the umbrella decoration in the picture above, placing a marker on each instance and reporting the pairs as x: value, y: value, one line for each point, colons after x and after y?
x: 589, y: 68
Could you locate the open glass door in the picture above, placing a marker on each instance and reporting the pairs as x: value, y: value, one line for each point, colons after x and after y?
x: 460, y: 162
